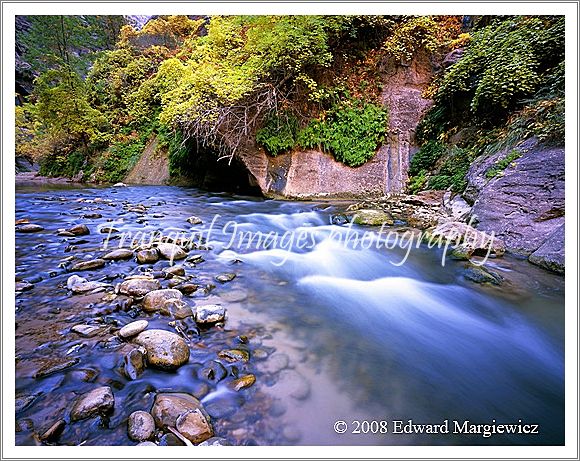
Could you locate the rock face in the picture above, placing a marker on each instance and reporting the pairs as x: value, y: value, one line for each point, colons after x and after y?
x: 524, y: 205
x: 100, y: 400
x: 551, y: 254
x: 165, y: 349
x: 315, y: 174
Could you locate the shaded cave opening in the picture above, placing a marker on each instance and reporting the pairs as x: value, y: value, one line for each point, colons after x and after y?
x: 202, y: 169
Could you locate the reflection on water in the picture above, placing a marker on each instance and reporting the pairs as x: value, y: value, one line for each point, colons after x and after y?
x: 339, y: 333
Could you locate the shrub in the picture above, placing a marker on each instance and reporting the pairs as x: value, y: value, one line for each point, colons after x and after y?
x: 502, y: 164
x: 351, y: 131
x: 278, y: 134
x: 426, y: 157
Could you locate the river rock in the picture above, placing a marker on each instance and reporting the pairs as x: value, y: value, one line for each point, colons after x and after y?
x: 213, y: 372
x: 28, y: 228
x: 53, y: 432
x: 165, y: 349
x: 23, y: 402
x: 551, y: 254
x: 146, y: 444
x: 372, y: 218
x: 92, y: 216
x: 155, y: 300
x: 139, y: 286
x: 134, y: 363
x: 88, y: 331
x: 109, y: 230
x: 194, y: 426
x: 234, y: 355
x: 215, y: 442
x: 195, y: 259
x: 79, y: 229
x: 171, y: 251
x: 176, y: 308
x: 140, y: 426
x: 174, y: 270
x: 193, y: 220
x: 87, y: 265
x: 187, y: 288
x: 277, y: 362
x: 23, y: 286
x: 226, y: 277
x: 120, y: 253
x: 133, y: 328
x: 97, y: 401
x: 148, y: 256
x: 243, y: 382
x: 167, y: 408
x: 296, y: 384
x: 210, y: 313
x: 55, y: 365
x: 85, y: 287
x: 480, y: 274
x: 234, y: 296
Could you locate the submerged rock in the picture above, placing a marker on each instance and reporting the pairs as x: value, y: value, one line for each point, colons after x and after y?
x: 140, y: 426
x: 174, y: 270
x: 120, y: 253
x: 480, y: 274
x: 97, y: 401
x: 215, y: 442
x: 224, y: 278
x: 165, y: 349
x: 213, y: 372
x: 88, y: 331
x: 23, y: 286
x: 55, y: 365
x: 139, y: 286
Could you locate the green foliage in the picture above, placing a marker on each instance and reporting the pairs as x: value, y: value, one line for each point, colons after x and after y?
x: 417, y: 182
x: 502, y: 164
x: 505, y: 62
x: 62, y: 164
x: 351, y: 131
x: 426, y: 157
x: 177, y: 150
x: 54, y: 40
x: 278, y: 134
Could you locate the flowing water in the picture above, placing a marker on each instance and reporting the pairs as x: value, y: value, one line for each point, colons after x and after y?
x: 336, y: 331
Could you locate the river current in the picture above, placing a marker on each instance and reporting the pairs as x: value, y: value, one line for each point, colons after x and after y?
x: 335, y: 331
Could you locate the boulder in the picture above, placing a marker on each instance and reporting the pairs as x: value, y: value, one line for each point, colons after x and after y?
x: 523, y: 204
x: 372, y: 218
x: 79, y: 229
x: 97, y: 401
x: 28, y: 228
x: 147, y: 256
x: 165, y: 349
x: 551, y: 254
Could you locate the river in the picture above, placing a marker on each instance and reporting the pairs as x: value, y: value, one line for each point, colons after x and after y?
x: 334, y: 332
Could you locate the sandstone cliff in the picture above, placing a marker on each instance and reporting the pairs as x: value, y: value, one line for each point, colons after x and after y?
x: 310, y: 174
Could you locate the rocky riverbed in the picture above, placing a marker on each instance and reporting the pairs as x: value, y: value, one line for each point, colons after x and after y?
x: 169, y: 341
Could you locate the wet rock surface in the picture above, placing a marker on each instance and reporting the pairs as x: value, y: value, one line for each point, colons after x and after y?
x: 165, y: 349
x: 97, y: 401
